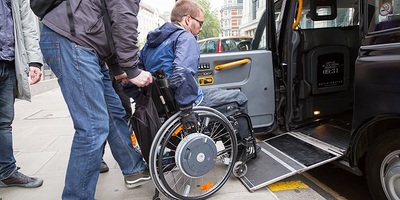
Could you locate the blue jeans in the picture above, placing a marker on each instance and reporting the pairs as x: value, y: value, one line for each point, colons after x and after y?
x: 96, y: 112
x: 7, y: 99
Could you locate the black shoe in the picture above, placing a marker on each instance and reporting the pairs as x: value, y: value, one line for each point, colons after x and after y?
x: 103, y: 167
x: 137, y: 179
x: 18, y: 179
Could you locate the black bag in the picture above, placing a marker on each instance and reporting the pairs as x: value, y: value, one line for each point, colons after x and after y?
x: 42, y: 7
x: 145, y: 121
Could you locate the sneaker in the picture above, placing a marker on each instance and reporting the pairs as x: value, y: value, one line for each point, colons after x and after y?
x: 17, y: 179
x: 137, y: 179
x: 103, y: 167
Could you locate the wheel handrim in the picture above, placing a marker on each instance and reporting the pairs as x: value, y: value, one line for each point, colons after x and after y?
x: 390, y: 175
x: 210, y: 182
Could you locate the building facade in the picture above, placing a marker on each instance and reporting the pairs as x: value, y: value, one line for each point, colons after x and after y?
x: 231, y: 17
x: 252, y: 12
x: 149, y: 19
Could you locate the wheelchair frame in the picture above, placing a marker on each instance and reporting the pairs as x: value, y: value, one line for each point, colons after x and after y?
x: 187, y: 165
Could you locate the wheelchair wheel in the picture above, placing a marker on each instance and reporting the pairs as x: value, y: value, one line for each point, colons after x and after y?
x: 240, y: 169
x: 193, y: 165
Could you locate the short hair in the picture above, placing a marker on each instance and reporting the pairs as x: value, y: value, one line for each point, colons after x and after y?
x: 183, y: 8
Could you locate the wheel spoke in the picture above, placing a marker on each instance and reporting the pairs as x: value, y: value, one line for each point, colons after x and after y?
x: 194, y: 182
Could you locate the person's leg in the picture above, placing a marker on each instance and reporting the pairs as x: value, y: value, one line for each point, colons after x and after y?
x: 9, y: 175
x: 126, y: 103
x: 87, y: 90
x: 81, y: 83
x: 214, y: 97
x: 119, y: 138
x: 7, y: 95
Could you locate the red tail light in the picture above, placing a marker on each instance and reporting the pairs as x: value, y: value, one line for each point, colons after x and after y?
x: 219, y: 48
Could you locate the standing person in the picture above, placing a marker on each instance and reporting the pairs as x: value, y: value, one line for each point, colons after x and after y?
x: 173, y: 47
x: 19, y: 55
x: 126, y: 103
x: 78, y: 60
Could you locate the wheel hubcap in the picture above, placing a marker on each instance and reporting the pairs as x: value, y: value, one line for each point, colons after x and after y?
x: 196, y: 155
x: 390, y: 175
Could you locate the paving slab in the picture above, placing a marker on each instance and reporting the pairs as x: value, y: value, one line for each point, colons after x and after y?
x: 43, y: 133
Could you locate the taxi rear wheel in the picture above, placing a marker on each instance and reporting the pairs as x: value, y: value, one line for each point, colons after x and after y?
x: 383, y: 166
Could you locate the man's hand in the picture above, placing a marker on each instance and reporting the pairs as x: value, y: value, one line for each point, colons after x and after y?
x: 35, y: 74
x: 143, y: 79
x: 190, y: 120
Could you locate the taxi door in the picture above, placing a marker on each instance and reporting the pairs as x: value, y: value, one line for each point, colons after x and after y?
x: 249, y: 71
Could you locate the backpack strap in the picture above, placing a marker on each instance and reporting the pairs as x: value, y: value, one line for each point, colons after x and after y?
x: 107, y: 27
x: 70, y: 18
x: 107, y: 23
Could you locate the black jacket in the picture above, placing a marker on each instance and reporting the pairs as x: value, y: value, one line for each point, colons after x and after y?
x: 90, y: 32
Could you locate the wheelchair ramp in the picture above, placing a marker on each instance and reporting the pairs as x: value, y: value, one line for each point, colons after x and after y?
x: 285, y: 155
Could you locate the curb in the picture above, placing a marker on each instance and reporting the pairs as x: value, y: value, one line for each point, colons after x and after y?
x: 44, y: 86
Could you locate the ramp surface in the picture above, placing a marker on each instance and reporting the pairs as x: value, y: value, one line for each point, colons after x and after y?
x: 285, y: 155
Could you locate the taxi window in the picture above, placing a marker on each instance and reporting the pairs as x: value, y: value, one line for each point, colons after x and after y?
x: 384, y: 22
x: 209, y: 46
x: 343, y: 18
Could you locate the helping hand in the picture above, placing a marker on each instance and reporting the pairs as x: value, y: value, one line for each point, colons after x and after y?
x: 143, y: 79
x: 35, y: 74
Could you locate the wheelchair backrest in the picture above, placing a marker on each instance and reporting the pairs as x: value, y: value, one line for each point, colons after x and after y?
x: 163, y: 95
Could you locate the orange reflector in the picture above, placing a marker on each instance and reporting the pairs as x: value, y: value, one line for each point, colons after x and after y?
x: 178, y: 130
x: 206, y: 186
x: 133, y: 138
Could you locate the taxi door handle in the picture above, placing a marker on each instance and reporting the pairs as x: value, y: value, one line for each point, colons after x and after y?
x: 232, y: 64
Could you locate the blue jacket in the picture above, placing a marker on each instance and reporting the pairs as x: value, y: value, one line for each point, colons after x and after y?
x: 172, y: 48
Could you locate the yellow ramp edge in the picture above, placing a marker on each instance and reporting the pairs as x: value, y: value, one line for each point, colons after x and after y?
x: 287, y: 185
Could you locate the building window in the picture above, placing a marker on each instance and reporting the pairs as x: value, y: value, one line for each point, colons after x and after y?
x: 254, y: 9
x: 234, y: 22
x: 234, y: 12
x: 226, y: 23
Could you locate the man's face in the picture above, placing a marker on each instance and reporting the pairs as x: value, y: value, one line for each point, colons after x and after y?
x: 195, y: 23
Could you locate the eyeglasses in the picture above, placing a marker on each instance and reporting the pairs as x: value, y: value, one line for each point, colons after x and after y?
x: 200, y: 22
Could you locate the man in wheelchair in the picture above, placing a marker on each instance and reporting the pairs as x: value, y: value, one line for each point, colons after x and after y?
x: 188, y: 147
x: 173, y: 48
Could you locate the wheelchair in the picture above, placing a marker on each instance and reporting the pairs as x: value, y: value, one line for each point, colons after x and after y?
x: 191, y: 165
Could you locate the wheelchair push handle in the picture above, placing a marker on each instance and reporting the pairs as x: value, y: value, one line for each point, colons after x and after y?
x: 164, y: 84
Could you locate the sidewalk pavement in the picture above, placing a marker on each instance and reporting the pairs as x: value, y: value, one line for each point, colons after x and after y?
x: 42, y: 134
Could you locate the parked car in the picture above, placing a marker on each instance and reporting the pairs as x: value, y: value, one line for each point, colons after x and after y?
x: 225, y: 44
